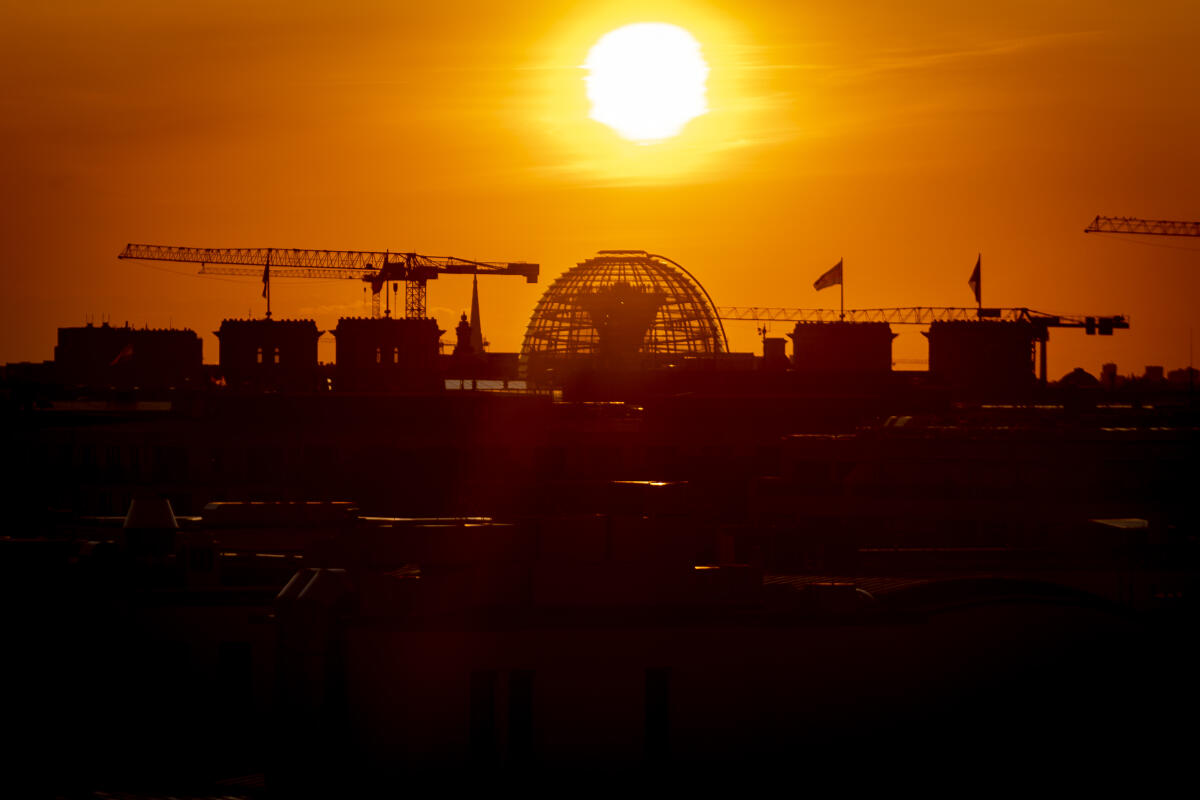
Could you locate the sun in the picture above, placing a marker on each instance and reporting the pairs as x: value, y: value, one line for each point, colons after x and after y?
x: 646, y: 81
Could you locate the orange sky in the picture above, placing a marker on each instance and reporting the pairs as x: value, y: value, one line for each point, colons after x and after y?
x: 904, y: 137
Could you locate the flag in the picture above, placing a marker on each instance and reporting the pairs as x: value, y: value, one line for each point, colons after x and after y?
x: 831, y: 278
x: 266, y: 278
x: 976, y: 282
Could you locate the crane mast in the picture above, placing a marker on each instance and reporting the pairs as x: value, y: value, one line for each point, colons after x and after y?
x: 1148, y: 227
x: 375, y: 268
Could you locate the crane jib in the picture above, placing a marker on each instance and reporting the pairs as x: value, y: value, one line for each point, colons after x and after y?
x: 922, y: 315
x: 371, y: 266
x: 1146, y: 227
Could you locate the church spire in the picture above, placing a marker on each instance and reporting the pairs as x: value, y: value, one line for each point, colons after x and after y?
x: 476, y: 330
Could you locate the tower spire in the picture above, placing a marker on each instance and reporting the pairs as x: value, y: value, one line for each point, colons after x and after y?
x: 476, y: 331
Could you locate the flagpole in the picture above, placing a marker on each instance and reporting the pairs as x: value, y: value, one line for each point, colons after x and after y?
x: 267, y: 275
x: 842, y: 292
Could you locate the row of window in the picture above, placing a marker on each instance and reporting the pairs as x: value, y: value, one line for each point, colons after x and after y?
x: 395, y: 355
x: 272, y: 355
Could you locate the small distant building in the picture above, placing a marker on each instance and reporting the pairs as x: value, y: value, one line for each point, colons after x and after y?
x: 1154, y: 374
x: 774, y: 354
x: 1079, y: 378
x: 1182, y: 377
x: 464, y: 334
x: 380, y: 355
x: 466, y: 361
x: 269, y: 354
x: 1109, y: 377
x: 988, y: 356
x: 470, y: 358
x: 125, y: 358
x: 842, y: 348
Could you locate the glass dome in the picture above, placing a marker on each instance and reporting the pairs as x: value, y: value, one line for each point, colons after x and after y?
x: 623, y: 309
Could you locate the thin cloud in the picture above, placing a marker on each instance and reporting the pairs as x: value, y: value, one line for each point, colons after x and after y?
x: 341, y: 309
x: 908, y: 60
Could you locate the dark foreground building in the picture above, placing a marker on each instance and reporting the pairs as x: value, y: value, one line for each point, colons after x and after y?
x: 387, y: 355
x: 356, y: 589
x: 827, y: 350
x: 331, y: 652
x: 697, y: 585
x: 269, y: 354
x: 102, y: 356
x: 983, y: 358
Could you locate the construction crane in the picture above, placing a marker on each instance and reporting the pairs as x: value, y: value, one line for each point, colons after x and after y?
x: 1148, y: 227
x: 376, y: 268
x: 924, y: 315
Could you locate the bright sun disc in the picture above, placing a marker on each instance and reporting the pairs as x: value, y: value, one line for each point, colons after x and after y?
x: 646, y: 81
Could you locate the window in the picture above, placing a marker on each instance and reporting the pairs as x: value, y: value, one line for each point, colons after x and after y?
x: 259, y: 357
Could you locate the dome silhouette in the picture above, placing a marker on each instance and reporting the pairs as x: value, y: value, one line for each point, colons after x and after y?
x: 623, y: 309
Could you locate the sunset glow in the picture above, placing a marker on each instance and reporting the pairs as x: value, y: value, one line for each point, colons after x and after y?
x: 749, y: 392
x: 907, y: 139
x: 646, y: 81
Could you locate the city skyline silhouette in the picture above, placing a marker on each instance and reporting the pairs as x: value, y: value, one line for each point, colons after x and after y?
x: 821, y: 405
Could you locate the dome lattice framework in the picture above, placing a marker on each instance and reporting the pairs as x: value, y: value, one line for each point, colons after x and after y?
x: 621, y: 309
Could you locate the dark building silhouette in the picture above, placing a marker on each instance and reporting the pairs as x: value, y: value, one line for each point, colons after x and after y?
x: 463, y: 334
x: 842, y: 348
x: 982, y: 356
x: 696, y: 580
x: 387, y: 354
x: 467, y: 360
x: 774, y: 353
x: 124, y: 358
x: 1109, y: 377
x: 269, y: 353
x: 1080, y: 378
x: 783, y: 572
x: 470, y: 359
x: 1183, y: 377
